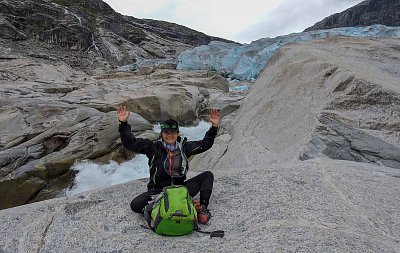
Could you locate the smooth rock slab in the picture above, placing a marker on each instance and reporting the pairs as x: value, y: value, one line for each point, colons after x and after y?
x: 318, y: 205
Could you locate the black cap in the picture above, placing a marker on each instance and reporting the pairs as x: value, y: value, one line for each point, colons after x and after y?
x: 169, y: 125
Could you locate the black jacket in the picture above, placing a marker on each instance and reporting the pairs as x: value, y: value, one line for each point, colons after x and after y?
x: 157, y: 153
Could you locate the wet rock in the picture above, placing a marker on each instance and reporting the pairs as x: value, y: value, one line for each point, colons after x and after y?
x: 77, y: 134
x: 17, y: 191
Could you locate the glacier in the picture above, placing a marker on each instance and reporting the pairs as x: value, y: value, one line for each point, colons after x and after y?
x: 244, y: 62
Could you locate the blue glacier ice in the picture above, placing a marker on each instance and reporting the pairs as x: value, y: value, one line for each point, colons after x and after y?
x: 244, y: 62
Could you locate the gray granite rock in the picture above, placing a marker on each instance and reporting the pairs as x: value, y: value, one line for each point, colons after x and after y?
x: 340, y: 141
x: 309, y: 206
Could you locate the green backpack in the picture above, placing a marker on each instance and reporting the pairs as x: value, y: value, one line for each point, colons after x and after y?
x: 172, y: 212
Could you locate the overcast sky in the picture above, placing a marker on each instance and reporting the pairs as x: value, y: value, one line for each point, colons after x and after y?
x: 241, y: 21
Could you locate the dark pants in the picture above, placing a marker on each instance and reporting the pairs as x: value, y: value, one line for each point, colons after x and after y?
x: 202, y: 183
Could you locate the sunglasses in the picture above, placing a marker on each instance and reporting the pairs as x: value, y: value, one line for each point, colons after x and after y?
x: 168, y: 126
x: 169, y: 132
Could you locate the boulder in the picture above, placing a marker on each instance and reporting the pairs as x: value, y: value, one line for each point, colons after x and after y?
x: 165, y: 102
x: 161, y: 95
x: 61, y: 135
x: 203, y: 79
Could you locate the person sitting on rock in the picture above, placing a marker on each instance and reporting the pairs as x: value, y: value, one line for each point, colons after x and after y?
x: 168, y: 161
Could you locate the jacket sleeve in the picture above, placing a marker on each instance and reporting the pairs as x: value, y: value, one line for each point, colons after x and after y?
x: 138, y: 145
x: 197, y: 147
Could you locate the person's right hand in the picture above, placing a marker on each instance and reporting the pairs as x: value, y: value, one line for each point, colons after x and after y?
x: 123, y: 115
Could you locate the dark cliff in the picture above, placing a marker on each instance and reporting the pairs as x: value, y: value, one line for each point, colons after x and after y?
x: 89, y: 34
x: 370, y: 12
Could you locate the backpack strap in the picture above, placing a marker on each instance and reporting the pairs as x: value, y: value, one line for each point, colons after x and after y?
x: 145, y: 227
x: 149, y: 207
x: 184, y: 158
x: 215, y: 233
x: 147, y: 214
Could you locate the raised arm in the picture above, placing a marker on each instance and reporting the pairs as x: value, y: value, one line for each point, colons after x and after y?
x: 197, y: 147
x: 138, y: 145
x: 215, y: 117
x: 123, y: 114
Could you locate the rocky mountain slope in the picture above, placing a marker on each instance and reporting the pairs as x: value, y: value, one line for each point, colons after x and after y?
x: 284, y: 181
x: 88, y: 35
x: 369, y: 12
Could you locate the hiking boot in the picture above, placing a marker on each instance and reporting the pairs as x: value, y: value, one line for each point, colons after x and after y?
x: 197, y: 205
x: 203, y: 215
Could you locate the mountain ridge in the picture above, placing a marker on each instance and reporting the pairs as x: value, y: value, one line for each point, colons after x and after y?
x: 369, y: 12
x: 94, y: 34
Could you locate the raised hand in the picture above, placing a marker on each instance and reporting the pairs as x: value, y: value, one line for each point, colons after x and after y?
x: 214, y: 117
x: 122, y: 113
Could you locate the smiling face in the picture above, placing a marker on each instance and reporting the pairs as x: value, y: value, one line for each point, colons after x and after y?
x: 170, y: 137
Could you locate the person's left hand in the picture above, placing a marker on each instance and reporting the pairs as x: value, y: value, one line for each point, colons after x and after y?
x: 214, y: 117
x: 123, y: 114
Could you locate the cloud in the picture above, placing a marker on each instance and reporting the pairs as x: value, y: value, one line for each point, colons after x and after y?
x: 220, y: 18
x: 140, y: 8
x: 293, y: 16
x: 241, y: 21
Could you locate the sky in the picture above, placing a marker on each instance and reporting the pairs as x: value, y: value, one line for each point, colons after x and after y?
x: 237, y: 20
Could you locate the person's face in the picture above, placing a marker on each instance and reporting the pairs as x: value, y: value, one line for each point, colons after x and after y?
x: 170, y: 137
